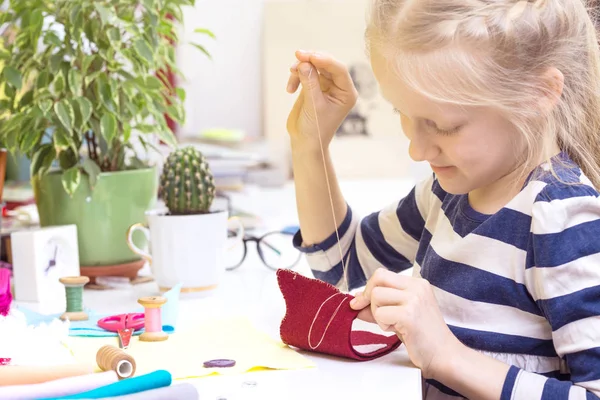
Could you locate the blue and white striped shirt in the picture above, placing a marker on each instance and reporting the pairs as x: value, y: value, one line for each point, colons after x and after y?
x: 521, y: 285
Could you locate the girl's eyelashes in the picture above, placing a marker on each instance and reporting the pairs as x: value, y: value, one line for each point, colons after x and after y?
x: 432, y: 125
x: 444, y: 132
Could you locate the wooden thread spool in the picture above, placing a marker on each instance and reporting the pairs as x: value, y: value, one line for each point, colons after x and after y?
x: 74, y: 293
x: 110, y: 358
x: 152, y: 319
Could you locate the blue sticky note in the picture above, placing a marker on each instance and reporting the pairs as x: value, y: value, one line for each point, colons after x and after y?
x: 169, y: 314
x: 152, y: 380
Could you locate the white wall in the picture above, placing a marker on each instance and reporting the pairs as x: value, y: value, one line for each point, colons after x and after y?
x: 229, y: 90
x: 234, y: 74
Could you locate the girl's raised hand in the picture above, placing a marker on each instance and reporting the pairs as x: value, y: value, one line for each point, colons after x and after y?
x: 327, y: 82
x: 408, y: 307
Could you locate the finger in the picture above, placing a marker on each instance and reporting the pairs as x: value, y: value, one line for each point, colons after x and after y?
x: 388, y: 316
x: 293, y: 83
x: 337, y: 71
x: 366, y: 315
x: 385, y: 296
x: 386, y: 278
x: 359, y: 301
x: 311, y: 85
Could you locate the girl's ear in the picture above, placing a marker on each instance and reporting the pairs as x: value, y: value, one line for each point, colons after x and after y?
x: 553, y: 82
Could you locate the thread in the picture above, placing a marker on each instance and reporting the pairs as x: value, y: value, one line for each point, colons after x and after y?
x: 111, y: 358
x: 152, y: 319
x: 74, y: 298
x: 335, y: 226
x: 153, y: 322
x: 328, y: 323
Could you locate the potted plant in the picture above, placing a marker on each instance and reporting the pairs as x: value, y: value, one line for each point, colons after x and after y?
x: 87, y: 95
x: 188, y: 238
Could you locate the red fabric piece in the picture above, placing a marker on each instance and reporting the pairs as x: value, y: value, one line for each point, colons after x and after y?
x: 303, y: 298
x: 4, y: 361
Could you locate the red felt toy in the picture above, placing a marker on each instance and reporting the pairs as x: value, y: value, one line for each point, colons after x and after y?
x: 319, y: 318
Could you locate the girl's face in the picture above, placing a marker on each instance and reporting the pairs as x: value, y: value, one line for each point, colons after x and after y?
x: 468, y: 148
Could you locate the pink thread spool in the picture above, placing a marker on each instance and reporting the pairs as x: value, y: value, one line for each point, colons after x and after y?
x: 152, y: 319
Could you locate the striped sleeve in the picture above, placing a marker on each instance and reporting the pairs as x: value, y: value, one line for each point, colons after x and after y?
x: 563, y: 277
x: 387, y: 238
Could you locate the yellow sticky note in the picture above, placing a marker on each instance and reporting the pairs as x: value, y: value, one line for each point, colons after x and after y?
x: 184, y: 353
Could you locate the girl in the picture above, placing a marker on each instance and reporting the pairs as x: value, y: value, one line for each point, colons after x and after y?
x: 502, y: 99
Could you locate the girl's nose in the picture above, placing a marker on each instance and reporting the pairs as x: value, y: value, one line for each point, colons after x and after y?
x: 421, y: 147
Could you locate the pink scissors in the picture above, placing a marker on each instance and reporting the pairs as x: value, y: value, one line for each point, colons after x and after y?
x: 124, y: 325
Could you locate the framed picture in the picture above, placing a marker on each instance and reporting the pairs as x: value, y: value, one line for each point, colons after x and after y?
x: 40, y: 257
x: 369, y: 143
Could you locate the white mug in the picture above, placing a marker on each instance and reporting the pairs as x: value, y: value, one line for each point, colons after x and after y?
x: 186, y: 249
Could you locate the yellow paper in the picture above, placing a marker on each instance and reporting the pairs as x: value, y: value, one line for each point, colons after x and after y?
x: 184, y: 353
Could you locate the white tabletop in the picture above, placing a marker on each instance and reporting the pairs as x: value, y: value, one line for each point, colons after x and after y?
x: 252, y: 291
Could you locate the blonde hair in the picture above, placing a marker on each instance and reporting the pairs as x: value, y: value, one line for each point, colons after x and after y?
x: 494, y: 53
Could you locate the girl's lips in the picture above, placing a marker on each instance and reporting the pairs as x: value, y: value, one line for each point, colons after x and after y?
x: 439, y: 170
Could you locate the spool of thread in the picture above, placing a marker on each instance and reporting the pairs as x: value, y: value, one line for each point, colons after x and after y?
x: 152, y: 319
x: 111, y: 358
x: 74, y: 292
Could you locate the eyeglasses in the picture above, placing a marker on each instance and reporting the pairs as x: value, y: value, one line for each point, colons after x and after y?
x: 275, y: 250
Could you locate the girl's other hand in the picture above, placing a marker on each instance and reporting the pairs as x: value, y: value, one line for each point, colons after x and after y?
x: 408, y: 307
x: 326, y: 81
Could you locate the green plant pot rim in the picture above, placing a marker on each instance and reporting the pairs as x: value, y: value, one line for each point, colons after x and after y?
x: 55, y: 171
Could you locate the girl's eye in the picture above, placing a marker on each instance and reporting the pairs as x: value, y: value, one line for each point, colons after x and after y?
x: 444, y: 132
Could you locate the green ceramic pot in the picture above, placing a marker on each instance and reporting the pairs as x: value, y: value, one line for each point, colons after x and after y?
x: 102, y: 215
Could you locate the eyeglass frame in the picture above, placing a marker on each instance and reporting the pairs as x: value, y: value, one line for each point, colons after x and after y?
x: 251, y: 238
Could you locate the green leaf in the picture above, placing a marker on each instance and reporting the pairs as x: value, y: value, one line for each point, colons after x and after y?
x: 71, y: 179
x: 56, y: 60
x: 36, y: 20
x: 205, y: 31
x: 50, y: 38
x: 153, y: 83
x: 75, y: 13
x: 105, y: 13
x: 85, y: 108
x: 42, y: 80
x: 149, y: 4
x: 92, y: 170
x: 87, y: 61
x: 26, y: 99
x: 202, y: 49
x: 166, y: 135
x: 180, y: 93
x: 30, y: 140
x: 9, y: 92
x: 13, y: 77
x: 59, y: 83
x: 91, y: 77
x: 108, y: 124
x: 42, y: 159
x: 114, y: 35
x: 75, y: 81
x: 126, y: 132
x: 62, y: 140
x: 45, y: 106
x: 104, y: 93
x: 65, y: 114
x: 143, y: 50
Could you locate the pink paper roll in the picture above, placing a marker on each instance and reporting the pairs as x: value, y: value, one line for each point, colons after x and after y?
x: 27, y: 375
x: 58, y: 387
x: 5, y: 295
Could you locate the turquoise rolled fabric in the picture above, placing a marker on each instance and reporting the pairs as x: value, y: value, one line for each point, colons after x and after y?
x: 153, y: 380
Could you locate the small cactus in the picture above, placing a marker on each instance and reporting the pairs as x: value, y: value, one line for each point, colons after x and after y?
x: 187, y: 185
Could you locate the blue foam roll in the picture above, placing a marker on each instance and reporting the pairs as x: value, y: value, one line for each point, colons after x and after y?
x: 153, y: 380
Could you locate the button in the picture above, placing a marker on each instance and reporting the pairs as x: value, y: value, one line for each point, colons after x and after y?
x: 219, y: 363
